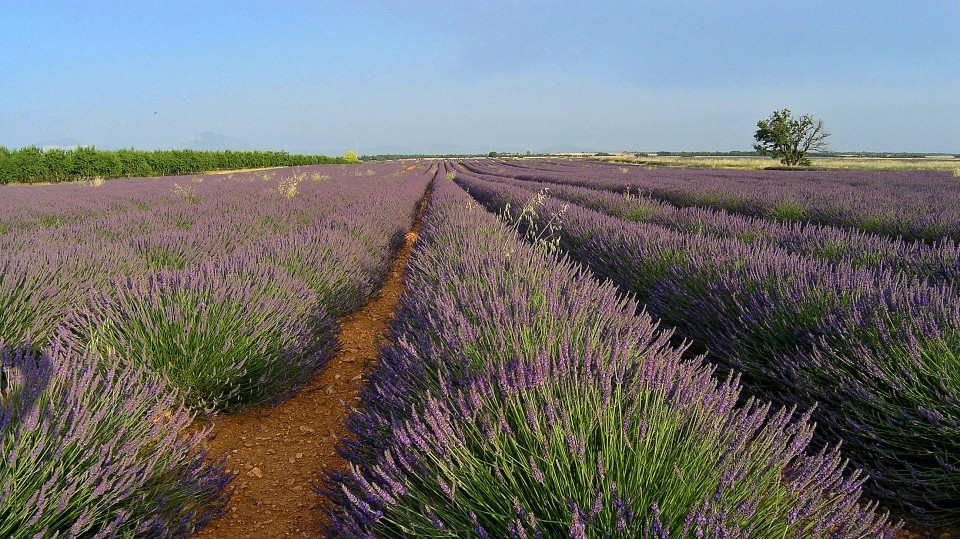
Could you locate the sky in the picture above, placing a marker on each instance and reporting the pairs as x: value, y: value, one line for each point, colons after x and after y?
x: 452, y: 76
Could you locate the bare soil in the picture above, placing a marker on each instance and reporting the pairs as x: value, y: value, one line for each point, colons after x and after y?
x: 941, y: 533
x: 280, y: 455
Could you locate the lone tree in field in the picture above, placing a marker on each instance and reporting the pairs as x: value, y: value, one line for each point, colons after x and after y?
x: 789, y: 139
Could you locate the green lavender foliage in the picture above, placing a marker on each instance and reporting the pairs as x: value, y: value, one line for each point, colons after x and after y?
x: 522, y: 398
x: 227, y: 336
x: 91, y: 452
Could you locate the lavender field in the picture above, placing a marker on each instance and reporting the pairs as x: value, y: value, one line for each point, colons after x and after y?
x: 860, y: 330
x: 521, y: 397
x: 914, y: 205
x: 580, y: 350
x: 130, y: 308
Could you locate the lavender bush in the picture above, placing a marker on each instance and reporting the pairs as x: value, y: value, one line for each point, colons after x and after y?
x: 875, y: 353
x: 344, y: 258
x: 28, y: 300
x: 522, y: 398
x: 98, y: 453
x: 225, y: 335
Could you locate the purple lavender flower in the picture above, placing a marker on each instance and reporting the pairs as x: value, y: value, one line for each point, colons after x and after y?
x: 864, y: 348
x: 121, y: 432
x: 490, y: 329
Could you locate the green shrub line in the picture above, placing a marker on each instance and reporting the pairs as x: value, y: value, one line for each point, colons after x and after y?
x: 36, y: 165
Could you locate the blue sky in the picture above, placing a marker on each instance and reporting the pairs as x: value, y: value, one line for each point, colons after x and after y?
x: 478, y: 76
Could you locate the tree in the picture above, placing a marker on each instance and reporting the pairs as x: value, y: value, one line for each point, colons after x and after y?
x: 790, y: 139
x: 351, y: 156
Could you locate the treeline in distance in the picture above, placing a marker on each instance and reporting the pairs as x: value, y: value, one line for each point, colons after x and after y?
x: 33, y: 165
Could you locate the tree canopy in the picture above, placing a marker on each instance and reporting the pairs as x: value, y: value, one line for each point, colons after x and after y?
x: 32, y: 164
x: 789, y: 139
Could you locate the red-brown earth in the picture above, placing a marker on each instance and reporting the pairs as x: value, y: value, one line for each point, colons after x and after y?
x: 280, y: 455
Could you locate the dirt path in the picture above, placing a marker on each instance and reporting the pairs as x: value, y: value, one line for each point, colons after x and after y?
x: 279, y: 455
x: 942, y: 533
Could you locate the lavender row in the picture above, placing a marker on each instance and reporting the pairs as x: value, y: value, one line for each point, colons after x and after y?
x: 127, y: 228
x: 938, y: 263
x: 137, y: 228
x: 101, y: 409
x: 915, y: 205
x: 29, y: 209
x: 522, y: 398
x: 98, y: 453
x: 245, y: 206
x: 254, y: 327
x: 875, y: 357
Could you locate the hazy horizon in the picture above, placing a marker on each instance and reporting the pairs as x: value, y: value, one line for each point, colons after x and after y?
x: 427, y: 77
